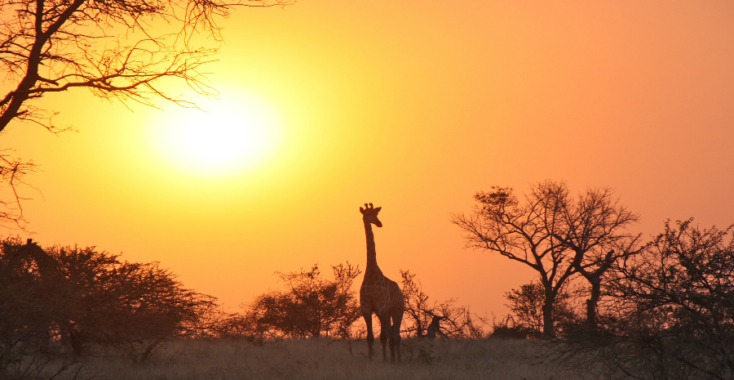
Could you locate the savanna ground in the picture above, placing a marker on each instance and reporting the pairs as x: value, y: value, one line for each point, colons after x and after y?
x: 331, y: 359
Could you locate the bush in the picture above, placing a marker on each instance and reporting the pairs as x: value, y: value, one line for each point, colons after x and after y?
x: 428, y: 318
x: 670, y: 309
x: 66, y: 298
x: 311, y: 306
x: 527, y: 302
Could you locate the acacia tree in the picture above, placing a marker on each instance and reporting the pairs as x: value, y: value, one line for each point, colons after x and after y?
x: 311, y: 306
x: 112, y: 48
x: 135, y: 307
x: 525, y: 232
x: 556, y: 235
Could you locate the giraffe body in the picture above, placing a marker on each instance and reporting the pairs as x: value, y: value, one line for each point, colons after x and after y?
x: 379, y: 295
x: 55, y: 293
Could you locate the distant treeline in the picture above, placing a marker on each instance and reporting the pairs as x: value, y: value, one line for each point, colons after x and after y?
x: 70, y: 301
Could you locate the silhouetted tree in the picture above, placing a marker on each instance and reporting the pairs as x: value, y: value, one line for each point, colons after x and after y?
x: 311, y: 305
x: 417, y: 306
x: 675, y: 303
x: 117, y: 50
x: 525, y: 232
x: 594, y: 227
x: 554, y: 235
x: 135, y: 307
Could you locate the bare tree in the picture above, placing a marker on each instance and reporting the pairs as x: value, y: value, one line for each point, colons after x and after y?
x: 594, y: 227
x: 556, y: 235
x: 417, y: 305
x: 526, y: 232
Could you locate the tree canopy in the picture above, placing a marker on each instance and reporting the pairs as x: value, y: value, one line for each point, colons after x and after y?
x: 310, y: 306
x: 554, y: 234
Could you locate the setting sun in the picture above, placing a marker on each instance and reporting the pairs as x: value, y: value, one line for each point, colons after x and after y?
x: 227, y: 137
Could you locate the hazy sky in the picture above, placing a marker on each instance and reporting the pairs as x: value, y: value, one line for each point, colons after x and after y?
x: 413, y: 106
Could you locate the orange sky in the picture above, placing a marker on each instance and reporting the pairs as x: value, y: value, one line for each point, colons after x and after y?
x: 414, y: 107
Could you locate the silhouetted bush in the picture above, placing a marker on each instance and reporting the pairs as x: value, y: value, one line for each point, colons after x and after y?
x: 448, y: 319
x: 669, y: 309
x: 65, y: 299
x: 311, y: 306
x: 26, y: 310
x: 508, y: 328
x: 526, y: 304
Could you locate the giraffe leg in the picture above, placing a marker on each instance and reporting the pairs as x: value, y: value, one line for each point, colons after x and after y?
x: 396, y: 321
x: 391, y: 340
x: 385, y: 331
x: 370, y: 335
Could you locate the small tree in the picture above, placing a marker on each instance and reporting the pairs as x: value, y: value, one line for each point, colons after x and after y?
x: 417, y: 306
x: 144, y: 306
x: 526, y: 303
x: 311, y: 305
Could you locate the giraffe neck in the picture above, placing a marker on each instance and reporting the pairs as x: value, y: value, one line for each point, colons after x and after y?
x: 371, y: 251
x: 46, y: 265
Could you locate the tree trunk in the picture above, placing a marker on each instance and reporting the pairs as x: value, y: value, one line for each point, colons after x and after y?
x: 592, y: 302
x: 548, y: 320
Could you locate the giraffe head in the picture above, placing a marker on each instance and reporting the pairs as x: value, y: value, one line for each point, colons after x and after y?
x: 369, y: 214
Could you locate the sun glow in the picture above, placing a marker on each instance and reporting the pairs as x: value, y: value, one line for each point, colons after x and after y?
x: 230, y: 137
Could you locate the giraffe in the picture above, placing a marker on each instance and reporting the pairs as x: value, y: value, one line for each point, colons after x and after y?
x: 43, y: 302
x: 435, y: 327
x: 379, y: 294
x: 54, y: 296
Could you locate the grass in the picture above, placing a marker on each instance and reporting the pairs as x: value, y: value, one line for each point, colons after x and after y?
x: 328, y: 359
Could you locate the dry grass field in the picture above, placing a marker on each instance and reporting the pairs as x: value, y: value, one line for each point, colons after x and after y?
x: 327, y: 359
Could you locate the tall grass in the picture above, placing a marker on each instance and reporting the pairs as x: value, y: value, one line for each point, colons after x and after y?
x: 326, y: 359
